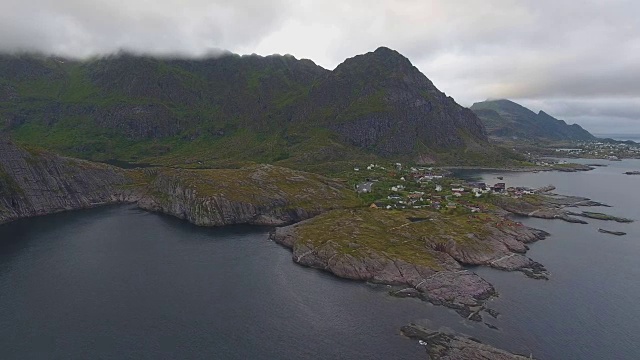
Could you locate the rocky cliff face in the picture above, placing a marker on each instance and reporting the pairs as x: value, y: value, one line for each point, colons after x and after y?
x: 42, y: 183
x: 259, y: 195
x: 39, y: 183
x: 380, y: 101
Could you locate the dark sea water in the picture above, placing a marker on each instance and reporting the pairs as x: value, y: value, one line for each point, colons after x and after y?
x: 120, y: 283
x: 590, y: 308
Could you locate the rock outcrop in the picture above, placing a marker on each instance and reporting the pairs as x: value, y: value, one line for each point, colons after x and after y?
x: 258, y: 195
x: 38, y: 183
x: 428, y: 257
x: 41, y: 183
x: 552, y: 206
x: 380, y: 101
x: 444, y: 346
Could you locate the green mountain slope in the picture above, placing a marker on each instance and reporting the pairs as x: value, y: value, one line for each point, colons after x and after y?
x: 234, y: 109
x: 505, y: 118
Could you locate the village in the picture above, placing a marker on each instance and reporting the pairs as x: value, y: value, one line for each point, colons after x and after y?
x: 400, y: 187
x: 601, y: 150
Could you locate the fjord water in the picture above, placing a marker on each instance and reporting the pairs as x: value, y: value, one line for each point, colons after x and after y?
x: 589, y: 307
x: 118, y: 283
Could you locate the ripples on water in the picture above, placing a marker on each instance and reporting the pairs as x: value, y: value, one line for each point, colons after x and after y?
x: 116, y: 283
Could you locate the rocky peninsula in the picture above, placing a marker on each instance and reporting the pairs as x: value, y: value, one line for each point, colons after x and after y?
x: 256, y: 195
x: 444, y: 346
x: 548, y: 205
x: 427, y: 255
x: 36, y: 183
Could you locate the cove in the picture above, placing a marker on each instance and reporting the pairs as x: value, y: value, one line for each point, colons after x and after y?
x: 117, y: 282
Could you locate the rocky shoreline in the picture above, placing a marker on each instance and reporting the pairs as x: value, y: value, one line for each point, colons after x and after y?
x: 551, y: 206
x: 430, y: 267
x: 560, y: 167
x: 34, y: 183
x: 445, y: 346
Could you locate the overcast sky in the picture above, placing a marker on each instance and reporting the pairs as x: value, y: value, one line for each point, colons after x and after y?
x: 577, y: 60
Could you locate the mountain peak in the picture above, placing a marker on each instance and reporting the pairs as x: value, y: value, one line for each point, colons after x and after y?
x: 385, y: 51
x: 383, y: 58
x: 505, y: 118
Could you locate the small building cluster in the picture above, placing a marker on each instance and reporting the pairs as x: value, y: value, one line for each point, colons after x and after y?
x: 427, y: 187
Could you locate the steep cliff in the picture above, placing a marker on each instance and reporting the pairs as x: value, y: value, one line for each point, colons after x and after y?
x: 381, y: 102
x: 260, y: 195
x: 41, y: 183
x: 38, y: 183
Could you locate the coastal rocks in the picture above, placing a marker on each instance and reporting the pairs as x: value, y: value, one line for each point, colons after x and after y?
x: 551, y: 206
x: 406, y: 293
x: 501, y: 249
x: 443, y: 346
x: 618, y: 233
x: 33, y: 184
x: 601, y: 216
x: 572, y: 167
x: 517, y: 262
x: 427, y: 256
x: 554, y: 214
x: 544, y: 189
x: 454, y: 288
x: 38, y: 183
x: 258, y: 195
x: 462, y: 291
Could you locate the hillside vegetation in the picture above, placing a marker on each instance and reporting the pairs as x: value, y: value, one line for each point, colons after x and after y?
x: 234, y: 110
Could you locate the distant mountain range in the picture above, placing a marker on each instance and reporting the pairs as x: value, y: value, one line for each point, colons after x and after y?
x: 234, y: 109
x: 507, y: 119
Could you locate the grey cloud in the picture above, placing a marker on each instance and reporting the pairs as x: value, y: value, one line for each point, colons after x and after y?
x: 82, y: 28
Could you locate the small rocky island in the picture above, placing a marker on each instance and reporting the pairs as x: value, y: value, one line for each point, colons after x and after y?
x: 444, y: 346
x: 618, y: 233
